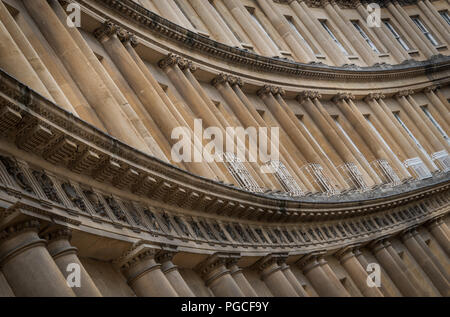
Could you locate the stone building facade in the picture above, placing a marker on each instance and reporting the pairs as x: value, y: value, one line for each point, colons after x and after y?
x: 90, y: 183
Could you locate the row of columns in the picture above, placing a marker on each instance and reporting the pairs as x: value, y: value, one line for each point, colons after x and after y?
x: 35, y: 267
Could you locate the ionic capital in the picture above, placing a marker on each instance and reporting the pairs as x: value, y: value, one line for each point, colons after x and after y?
x: 58, y: 234
x: 127, y: 37
x: 308, y: 94
x: 374, y: 96
x: 173, y: 59
x: 11, y: 231
x: 136, y: 254
x: 404, y: 93
x: 214, y: 267
x: 267, y: 89
x: 107, y: 30
x: 226, y: 78
x: 430, y: 89
x: 343, y: 96
x: 345, y: 253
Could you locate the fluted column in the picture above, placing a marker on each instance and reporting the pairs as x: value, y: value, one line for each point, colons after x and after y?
x: 319, y: 278
x: 64, y: 255
x: 425, y: 262
x: 172, y: 274
x: 357, y: 273
x: 236, y: 272
x: 81, y: 69
x: 34, y: 60
x: 411, y: 30
x: 14, y: 62
x: 439, y: 232
x: 400, y: 279
x: 243, y: 18
x: 357, y: 43
x: 143, y: 274
x: 285, y: 30
x: 314, y: 27
x: 394, y: 48
x: 439, y: 24
x: 274, y: 278
x: 218, y: 278
x: 27, y: 265
x: 292, y: 279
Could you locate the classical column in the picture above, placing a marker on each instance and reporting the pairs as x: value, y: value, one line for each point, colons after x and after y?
x: 292, y: 279
x: 27, y: 265
x: 65, y: 255
x: 333, y: 278
x: 14, y: 62
x: 365, y: 264
x: 308, y: 150
x: 274, y: 278
x: 285, y: 30
x: 82, y: 71
x: 284, y: 148
x: 425, y: 262
x: 373, y: 101
x: 440, y: 25
x: 143, y: 274
x: 319, y: 278
x: 172, y: 274
x: 357, y: 272
x: 358, y: 44
x: 216, y: 26
x: 437, y: 103
x: 144, y: 90
x: 412, y: 145
x: 168, y: 12
x: 436, y: 15
x: 405, y: 100
x: 236, y: 272
x: 142, y: 133
x: 439, y: 232
x: 314, y: 27
x: 279, y: 94
x: 218, y: 278
x: 400, y: 279
x: 359, y: 122
x: 411, y: 30
x: 418, y: 237
x: 243, y: 18
x: 34, y: 60
x: 394, y: 48
x: 310, y: 101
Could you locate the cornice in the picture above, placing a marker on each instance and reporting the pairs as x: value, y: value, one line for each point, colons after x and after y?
x: 192, y: 41
x: 160, y: 181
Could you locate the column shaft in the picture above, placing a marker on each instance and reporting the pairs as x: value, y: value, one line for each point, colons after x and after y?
x: 242, y: 281
x: 27, y: 265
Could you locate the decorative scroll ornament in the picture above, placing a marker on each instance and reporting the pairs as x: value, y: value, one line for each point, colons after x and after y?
x: 308, y: 94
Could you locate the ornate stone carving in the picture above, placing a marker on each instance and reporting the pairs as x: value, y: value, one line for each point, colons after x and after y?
x: 106, y: 30
x: 267, y: 89
x: 226, y: 78
x: 60, y: 233
x: 96, y: 203
x: 14, y: 171
x: 47, y: 186
x: 343, y: 96
x: 374, y: 96
x: 308, y: 94
x: 404, y: 93
x: 73, y: 196
x: 115, y: 208
x: 32, y: 224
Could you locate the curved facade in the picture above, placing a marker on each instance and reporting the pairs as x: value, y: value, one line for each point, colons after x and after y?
x: 224, y: 148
